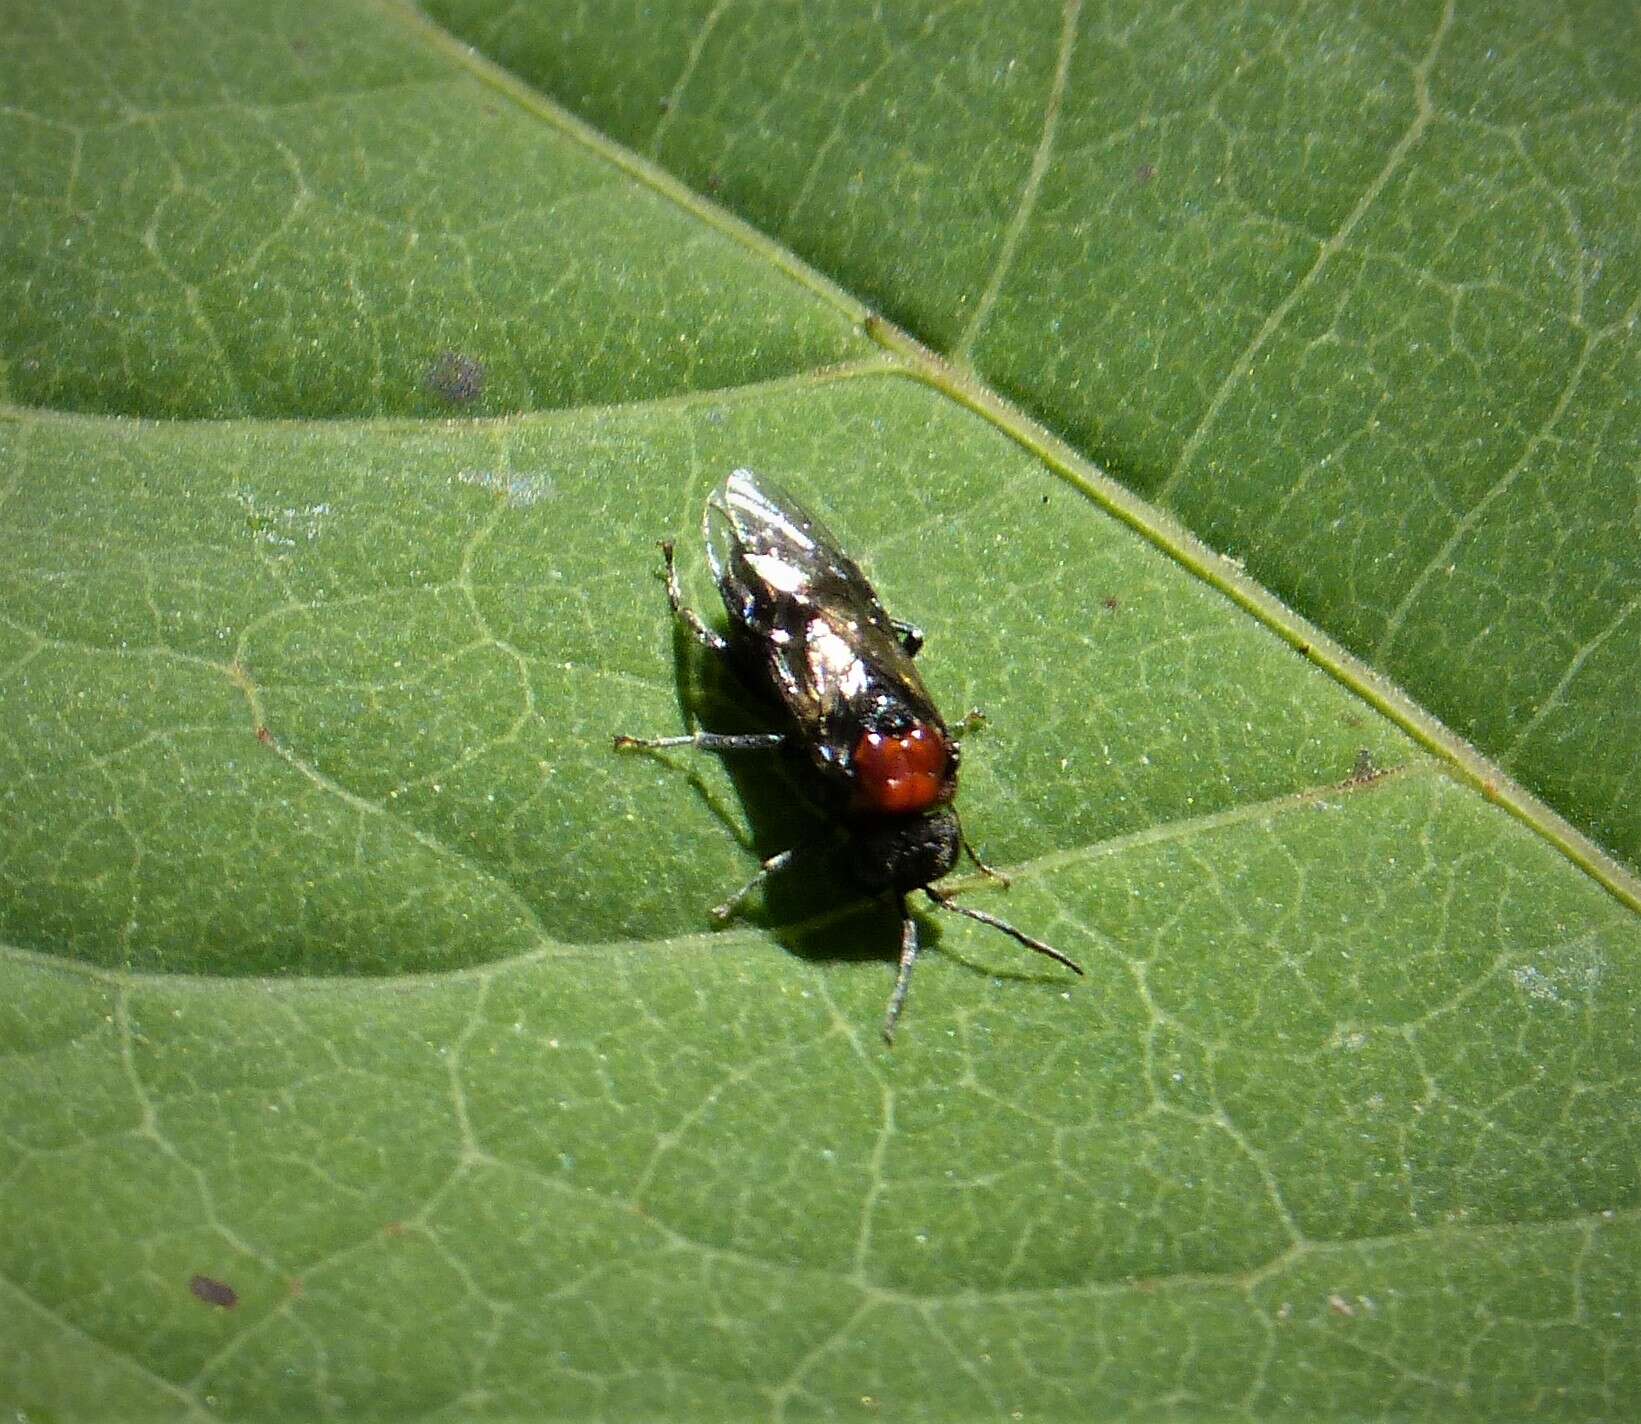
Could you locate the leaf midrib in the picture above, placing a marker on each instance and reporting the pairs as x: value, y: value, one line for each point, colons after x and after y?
x: 1178, y: 830
x: 906, y: 356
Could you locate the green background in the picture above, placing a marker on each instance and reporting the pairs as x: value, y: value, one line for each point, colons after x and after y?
x: 350, y: 382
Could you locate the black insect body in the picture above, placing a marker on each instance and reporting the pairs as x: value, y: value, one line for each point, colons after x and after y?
x: 806, y: 627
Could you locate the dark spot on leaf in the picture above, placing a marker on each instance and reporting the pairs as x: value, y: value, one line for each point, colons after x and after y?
x: 214, y: 1292
x: 665, y: 106
x: 715, y: 184
x: 394, y: 1229
x: 1111, y: 602
x: 264, y: 736
x: 1145, y: 173
x: 456, y: 378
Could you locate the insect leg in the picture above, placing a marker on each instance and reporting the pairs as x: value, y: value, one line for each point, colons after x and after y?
x: 908, y: 957
x: 989, y: 871
x: 946, y: 903
x: 687, y: 616
x: 722, y: 914
x: 707, y: 741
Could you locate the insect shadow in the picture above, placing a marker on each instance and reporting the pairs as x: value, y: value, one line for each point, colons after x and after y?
x: 808, y: 636
x: 812, y: 908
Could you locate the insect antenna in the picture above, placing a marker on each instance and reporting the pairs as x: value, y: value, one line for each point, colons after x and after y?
x: 946, y: 903
x: 908, y: 957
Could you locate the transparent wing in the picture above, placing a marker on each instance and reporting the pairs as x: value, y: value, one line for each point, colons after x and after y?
x: 754, y: 527
x: 806, y: 610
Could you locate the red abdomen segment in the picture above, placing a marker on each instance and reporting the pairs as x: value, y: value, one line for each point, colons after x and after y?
x: 898, y: 775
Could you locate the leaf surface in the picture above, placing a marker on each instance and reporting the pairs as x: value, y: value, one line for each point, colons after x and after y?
x: 1355, y: 294
x: 364, y: 1048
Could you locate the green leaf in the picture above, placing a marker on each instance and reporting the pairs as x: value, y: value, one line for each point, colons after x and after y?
x: 1353, y: 292
x: 365, y: 1049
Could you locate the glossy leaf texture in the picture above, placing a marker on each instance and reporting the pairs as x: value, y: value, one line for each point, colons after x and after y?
x: 364, y: 1048
x: 1353, y: 291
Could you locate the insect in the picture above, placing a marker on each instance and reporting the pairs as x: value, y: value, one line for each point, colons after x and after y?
x: 807, y: 630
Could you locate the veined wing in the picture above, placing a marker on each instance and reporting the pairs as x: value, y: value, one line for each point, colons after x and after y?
x: 804, y: 609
